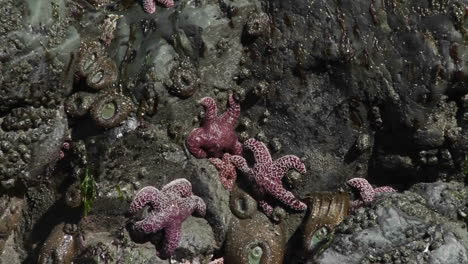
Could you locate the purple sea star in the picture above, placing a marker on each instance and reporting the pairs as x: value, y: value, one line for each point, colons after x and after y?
x: 366, y: 191
x: 267, y: 174
x: 216, y: 135
x: 169, y: 208
x: 227, y: 171
x: 150, y: 5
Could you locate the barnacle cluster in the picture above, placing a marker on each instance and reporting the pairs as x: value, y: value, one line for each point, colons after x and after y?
x: 24, y: 132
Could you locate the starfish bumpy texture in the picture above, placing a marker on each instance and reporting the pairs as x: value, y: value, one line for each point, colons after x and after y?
x: 366, y: 191
x: 267, y: 174
x: 227, y: 171
x: 216, y: 135
x: 170, y: 206
x: 150, y: 5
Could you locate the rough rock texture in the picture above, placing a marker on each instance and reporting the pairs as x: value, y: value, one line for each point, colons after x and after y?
x: 364, y: 88
x: 359, y: 69
x: 425, y: 224
x: 38, y: 44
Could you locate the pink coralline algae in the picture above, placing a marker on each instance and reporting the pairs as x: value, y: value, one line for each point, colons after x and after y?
x: 227, y: 171
x: 267, y: 174
x: 216, y: 135
x: 150, y: 5
x: 366, y: 191
x: 170, y: 206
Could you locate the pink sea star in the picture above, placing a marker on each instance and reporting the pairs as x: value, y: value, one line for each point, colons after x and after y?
x: 65, y: 147
x: 267, y: 174
x: 216, y: 135
x: 169, y: 208
x: 150, y: 5
x: 366, y: 191
x: 227, y: 171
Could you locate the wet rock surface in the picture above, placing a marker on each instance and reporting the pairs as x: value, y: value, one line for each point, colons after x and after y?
x: 373, y: 89
x: 415, y: 226
x: 11, y: 212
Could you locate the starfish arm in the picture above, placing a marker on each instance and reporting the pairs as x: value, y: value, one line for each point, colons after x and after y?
x: 238, y: 148
x: 282, y: 165
x: 181, y: 187
x: 260, y: 150
x: 366, y: 190
x: 147, y: 195
x: 211, y: 110
x: 227, y: 171
x: 286, y: 197
x: 172, y: 236
x: 228, y: 183
x: 241, y: 164
x: 221, y: 167
x: 266, y: 208
x: 151, y: 224
x: 232, y: 113
x: 384, y: 189
x: 194, y: 143
x: 166, y: 3
x: 149, y: 6
x: 218, y: 163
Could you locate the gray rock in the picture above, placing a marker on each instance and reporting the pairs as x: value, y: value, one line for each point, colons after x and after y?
x: 207, y: 185
x: 407, y: 228
x: 102, y: 247
x: 197, y: 240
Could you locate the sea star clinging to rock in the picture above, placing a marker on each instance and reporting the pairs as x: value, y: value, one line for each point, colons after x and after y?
x: 150, y: 5
x: 267, y: 174
x: 366, y: 191
x: 216, y: 135
x: 169, y: 208
x: 227, y: 171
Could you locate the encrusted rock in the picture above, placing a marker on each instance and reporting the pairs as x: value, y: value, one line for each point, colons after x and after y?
x: 408, y: 227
